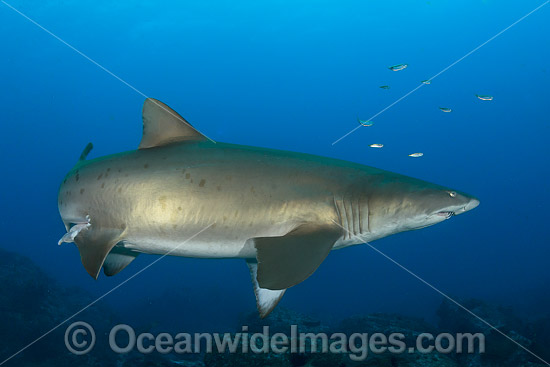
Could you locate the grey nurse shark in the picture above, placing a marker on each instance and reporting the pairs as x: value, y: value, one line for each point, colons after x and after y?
x: 182, y: 194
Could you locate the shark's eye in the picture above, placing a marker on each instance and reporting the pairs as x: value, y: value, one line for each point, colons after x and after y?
x: 452, y: 194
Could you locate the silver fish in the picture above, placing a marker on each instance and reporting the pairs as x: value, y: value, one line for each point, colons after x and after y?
x: 365, y: 122
x: 484, y: 97
x: 398, y: 67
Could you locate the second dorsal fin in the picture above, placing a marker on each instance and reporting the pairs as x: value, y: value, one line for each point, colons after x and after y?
x: 85, y: 152
x: 162, y: 125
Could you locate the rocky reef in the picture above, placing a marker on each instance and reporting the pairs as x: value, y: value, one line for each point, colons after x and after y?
x: 503, y: 344
x: 499, y: 350
x: 281, y: 319
x: 33, y: 304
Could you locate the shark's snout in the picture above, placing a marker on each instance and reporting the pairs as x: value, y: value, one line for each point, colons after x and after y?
x: 472, y: 204
x: 460, y: 203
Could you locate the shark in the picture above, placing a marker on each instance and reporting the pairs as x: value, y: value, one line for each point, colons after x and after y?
x: 182, y: 194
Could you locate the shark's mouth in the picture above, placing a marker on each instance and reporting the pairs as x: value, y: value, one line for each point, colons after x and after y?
x: 446, y: 214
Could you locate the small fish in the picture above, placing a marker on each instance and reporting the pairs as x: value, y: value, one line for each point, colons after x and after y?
x: 427, y: 81
x: 376, y: 145
x: 416, y: 155
x: 484, y: 98
x: 445, y: 109
x: 365, y: 122
x: 398, y: 67
x: 385, y: 87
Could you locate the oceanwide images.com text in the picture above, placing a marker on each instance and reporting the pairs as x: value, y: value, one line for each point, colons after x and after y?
x: 80, y: 339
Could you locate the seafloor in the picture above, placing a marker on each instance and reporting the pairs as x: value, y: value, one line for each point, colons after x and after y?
x: 31, y: 304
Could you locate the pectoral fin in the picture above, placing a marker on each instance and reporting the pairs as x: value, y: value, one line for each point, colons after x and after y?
x: 94, y: 245
x: 290, y: 259
x: 266, y: 299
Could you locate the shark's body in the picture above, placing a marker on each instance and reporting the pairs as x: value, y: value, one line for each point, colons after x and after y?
x: 181, y: 194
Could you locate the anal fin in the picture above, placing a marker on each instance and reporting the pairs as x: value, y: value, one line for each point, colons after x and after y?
x: 266, y: 299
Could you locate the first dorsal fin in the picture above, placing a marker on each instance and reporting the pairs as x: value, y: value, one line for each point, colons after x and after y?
x: 162, y: 125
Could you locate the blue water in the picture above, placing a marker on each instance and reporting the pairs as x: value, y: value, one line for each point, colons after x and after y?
x: 294, y: 76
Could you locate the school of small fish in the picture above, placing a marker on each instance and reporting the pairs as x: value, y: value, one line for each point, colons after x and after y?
x: 398, y: 67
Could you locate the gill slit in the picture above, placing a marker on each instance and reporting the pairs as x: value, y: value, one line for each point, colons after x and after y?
x: 338, y: 212
x: 359, y: 215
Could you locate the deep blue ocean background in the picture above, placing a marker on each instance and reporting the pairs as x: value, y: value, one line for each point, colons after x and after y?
x: 294, y: 76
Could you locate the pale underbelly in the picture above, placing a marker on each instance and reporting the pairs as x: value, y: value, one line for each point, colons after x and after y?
x: 212, y: 248
x: 194, y: 248
x: 204, y: 241
x: 229, y: 242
